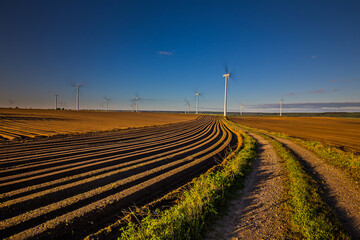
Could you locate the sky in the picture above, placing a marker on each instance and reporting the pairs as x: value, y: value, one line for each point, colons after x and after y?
x: 305, y: 52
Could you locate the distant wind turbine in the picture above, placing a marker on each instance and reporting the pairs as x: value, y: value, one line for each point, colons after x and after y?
x: 281, y: 103
x: 107, y: 103
x: 226, y: 76
x: 187, y: 106
x: 137, y: 99
x: 11, y: 102
x: 77, y: 95
x: 56, y: 101
x: 241, y: 108
x: 197, y: 102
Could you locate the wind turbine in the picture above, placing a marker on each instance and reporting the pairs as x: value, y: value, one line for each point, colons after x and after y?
x: 241, y: 108
x: 186, y: 103
x: 226, y: 76
x: 107, y: 103
x: 56, y: 101
x: 137, y: 99
x: 77, y: 94
x: 133, y: 107
x: 281, y: 103
x: 197, y: 102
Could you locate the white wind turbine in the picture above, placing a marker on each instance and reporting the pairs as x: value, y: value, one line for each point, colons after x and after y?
x: 281, y: 103
x: 137, y: 103
x: 226, y: 76
x: 197, y: 102
x: 186, y: 104
x: 137, y: 99
x: 55, y: 107
x: 107, y: 103
x: 241, y: 108
x: 77, y: 95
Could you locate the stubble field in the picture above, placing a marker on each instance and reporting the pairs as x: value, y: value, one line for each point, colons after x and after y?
x: 341, y: 132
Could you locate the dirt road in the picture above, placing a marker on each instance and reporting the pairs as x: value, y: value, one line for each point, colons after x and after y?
x: 255, y: 211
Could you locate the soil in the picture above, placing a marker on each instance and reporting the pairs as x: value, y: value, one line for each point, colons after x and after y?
x: 255, y: 212
x: 68, y: 187
x: 29, y: 123
x: 337, y: 189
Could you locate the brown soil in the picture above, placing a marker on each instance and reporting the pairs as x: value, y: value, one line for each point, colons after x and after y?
x: 338, y: 191
x: 20, y: 123
x: 255, y: 211
x: 336, y: 131
x: 69, y: 187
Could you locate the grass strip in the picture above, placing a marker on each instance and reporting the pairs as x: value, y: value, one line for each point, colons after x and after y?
x: 199, y: 205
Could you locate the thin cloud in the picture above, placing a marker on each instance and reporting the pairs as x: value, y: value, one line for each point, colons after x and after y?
x: 328, y: 105
x: 345, y: 81
x: 317, y: 91
x: 290, y: 94
x: 313, y: 57
x: 165, y: 53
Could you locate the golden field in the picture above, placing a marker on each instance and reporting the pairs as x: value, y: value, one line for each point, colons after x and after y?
x: 17, y: 123
x: 342, y: 132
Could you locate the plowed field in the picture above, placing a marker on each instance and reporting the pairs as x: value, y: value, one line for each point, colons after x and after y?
x: 68, y: 187
x: 341, y: 132
x: 20, y: 123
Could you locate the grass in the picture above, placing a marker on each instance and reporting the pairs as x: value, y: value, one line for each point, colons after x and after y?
x: 199, y: 205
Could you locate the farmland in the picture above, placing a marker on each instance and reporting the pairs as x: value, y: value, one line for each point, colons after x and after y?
x: 20, y: 123
x: 71, y: 186
x: 341, y: 132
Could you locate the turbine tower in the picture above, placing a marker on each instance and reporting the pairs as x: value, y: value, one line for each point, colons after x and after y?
x: 226, y: 76
x: 281, y: 103
x: 56, y: 101
x: 107, y: 103
x: 241, y: 109
x: 186, y: 104
x: 137, y: 103
x: 197, y: 102
x: 77, y: 95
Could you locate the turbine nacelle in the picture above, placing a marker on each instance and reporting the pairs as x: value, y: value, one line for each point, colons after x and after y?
x: 226, y: 75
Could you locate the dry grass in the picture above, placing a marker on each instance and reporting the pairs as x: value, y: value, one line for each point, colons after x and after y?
x: 17, y: 123
x: 340, y: 132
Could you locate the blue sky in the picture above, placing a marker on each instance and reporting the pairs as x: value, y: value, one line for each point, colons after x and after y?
x: 162, y: 51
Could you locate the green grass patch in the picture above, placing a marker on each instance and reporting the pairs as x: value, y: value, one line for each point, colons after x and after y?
x: 199, y: 205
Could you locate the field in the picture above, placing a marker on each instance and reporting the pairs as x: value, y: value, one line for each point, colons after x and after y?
x: 69, y: 187
x: 341, y: 132
x: 20, y: 123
